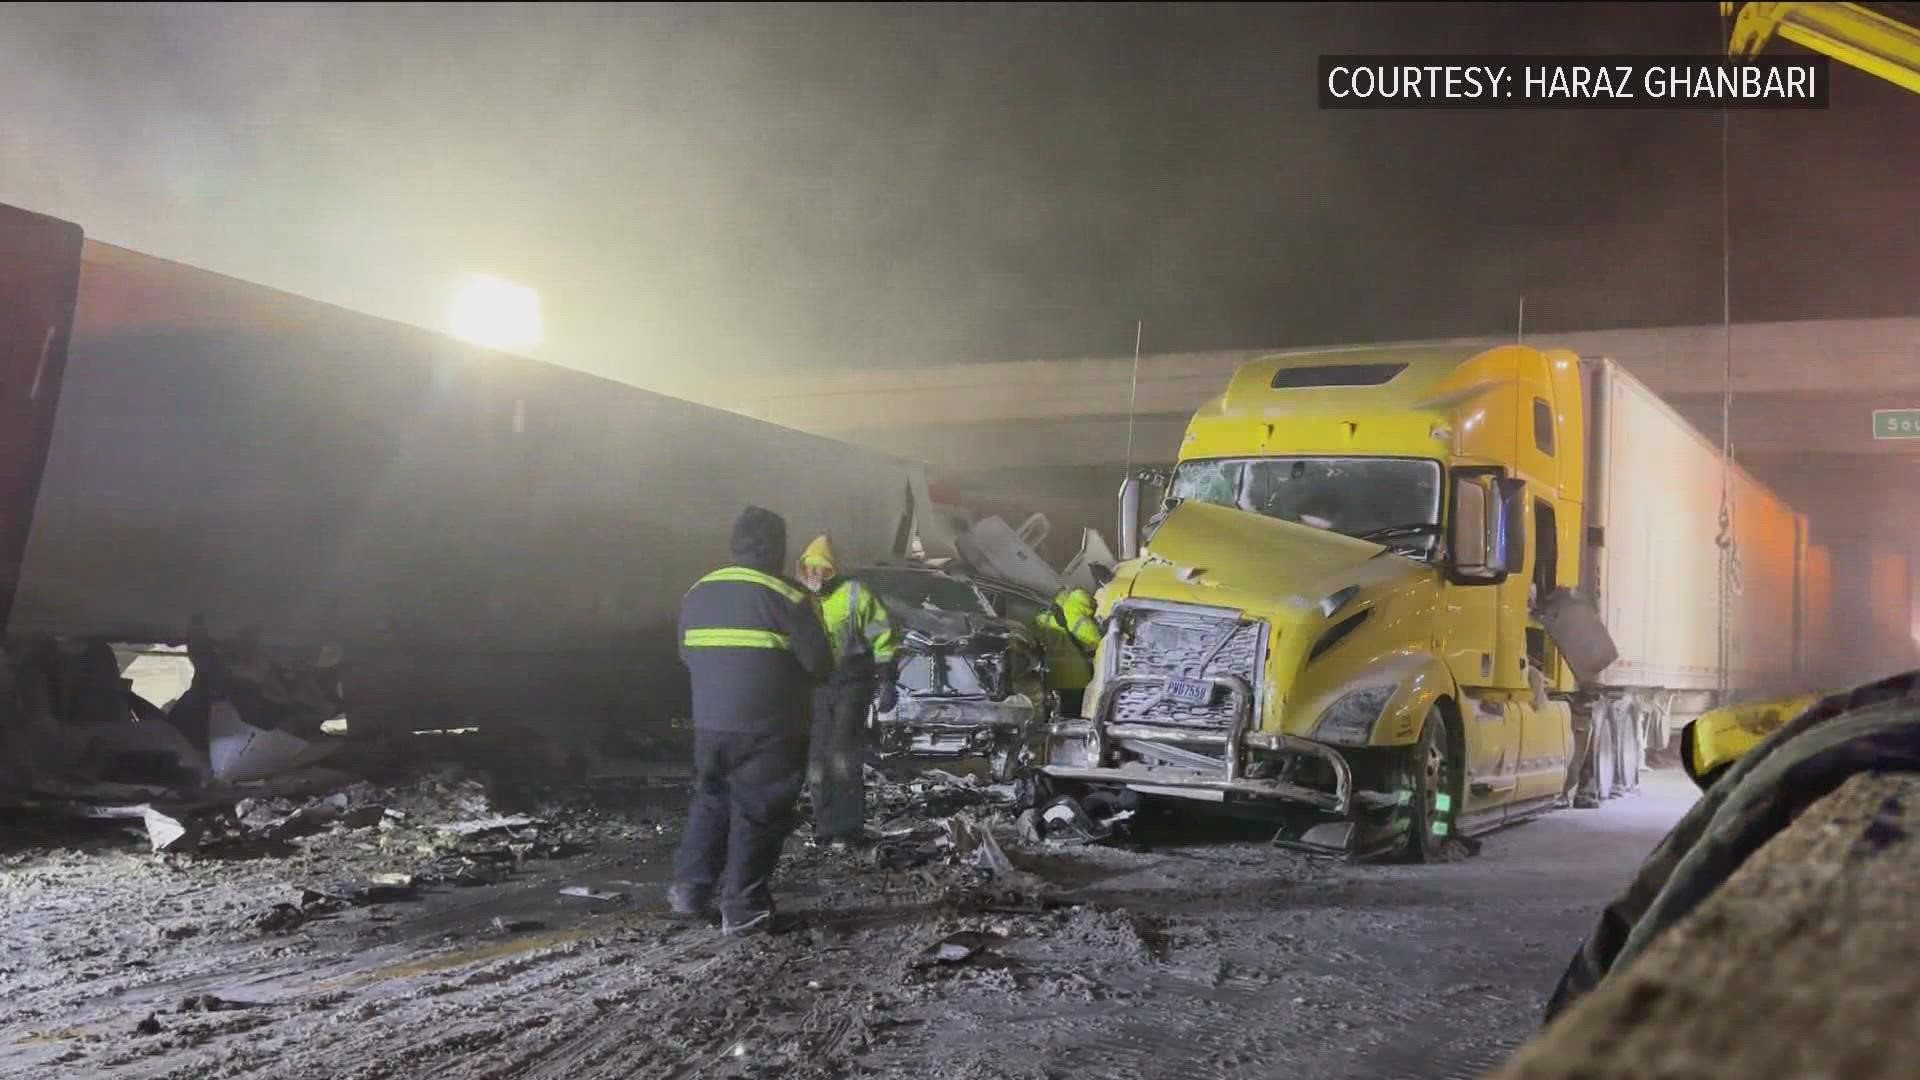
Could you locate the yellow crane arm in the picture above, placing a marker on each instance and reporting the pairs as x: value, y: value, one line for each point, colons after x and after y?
x: 1849, y: 33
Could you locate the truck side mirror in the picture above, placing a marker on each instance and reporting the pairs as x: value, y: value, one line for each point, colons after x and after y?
x: 1470, y: 539
x: 1509, y: 556
x: 1488, y: 534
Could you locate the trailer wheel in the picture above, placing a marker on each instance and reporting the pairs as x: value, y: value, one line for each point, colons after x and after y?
x: 1628, y: 729
x: 1434, y: 779
x: 1606, y: 751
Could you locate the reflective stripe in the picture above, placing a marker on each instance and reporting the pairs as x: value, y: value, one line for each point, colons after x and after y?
x: 853, y: 619
x: 755, y: 577
x: 879, y: 628
x: 736, y: 639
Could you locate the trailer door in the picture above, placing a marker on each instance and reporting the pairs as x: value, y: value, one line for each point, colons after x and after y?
x: 39, y: 281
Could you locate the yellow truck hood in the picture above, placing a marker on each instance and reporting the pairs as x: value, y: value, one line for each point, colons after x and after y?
x: 1222, y: 557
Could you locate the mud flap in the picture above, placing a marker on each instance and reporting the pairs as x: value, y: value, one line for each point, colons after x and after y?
x: 1355, y: 839
x: 1573, y: 622
x: 1330, y: 839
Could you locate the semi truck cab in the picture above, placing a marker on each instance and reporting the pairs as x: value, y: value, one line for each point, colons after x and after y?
x: 1335, y: 612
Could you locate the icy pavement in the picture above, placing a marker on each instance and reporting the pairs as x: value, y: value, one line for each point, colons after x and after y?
x: 1181, y: 956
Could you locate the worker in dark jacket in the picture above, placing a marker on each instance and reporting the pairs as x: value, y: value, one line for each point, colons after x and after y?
x: 755, y: 649
x: 862, y: 638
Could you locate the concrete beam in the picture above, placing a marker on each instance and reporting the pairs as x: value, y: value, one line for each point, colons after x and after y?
x: 1773, y: 428
x: 1075, y: 441
x: 1818, y: 356
x: 1802, y: 423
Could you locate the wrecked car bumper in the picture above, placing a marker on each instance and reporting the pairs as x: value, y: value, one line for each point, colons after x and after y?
x: 955, y: 726
x: 1164, y: 764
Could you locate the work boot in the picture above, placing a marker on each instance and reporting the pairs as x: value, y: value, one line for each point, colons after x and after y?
x: 757, y: 923
x: 687, y: 902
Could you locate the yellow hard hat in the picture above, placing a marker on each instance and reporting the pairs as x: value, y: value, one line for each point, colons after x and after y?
x: 819, y: 553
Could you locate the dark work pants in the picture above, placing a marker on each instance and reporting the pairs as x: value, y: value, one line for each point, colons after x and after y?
x: 836, y: 773
x: 745, y: 790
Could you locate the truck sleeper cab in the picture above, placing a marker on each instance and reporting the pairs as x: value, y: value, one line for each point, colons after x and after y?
x: 1334, y: 613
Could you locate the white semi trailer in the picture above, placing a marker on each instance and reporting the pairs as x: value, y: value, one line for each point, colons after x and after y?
x: 1654, y: 562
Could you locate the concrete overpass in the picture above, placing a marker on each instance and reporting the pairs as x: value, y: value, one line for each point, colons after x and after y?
x: 1057, y: 431
x: 1800, y: 388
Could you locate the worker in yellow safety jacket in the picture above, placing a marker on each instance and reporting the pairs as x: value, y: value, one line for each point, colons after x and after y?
x: 1070, y: 632
x: 863, y: 643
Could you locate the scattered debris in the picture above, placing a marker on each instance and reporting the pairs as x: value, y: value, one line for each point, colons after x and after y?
x: 941, y: 776
x: 1066, y: 822
x: 957, y: 948
x: 486, y: 825
x: 209, y: 1003
x: 973, y: 845
x: 163, y: 830
x: 355, y: 894
x: 282, y: 919
x: 516, y: 926
x: 238, y: 751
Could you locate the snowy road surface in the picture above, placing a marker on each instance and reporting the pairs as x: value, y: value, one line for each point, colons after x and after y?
x: 1189, y: 959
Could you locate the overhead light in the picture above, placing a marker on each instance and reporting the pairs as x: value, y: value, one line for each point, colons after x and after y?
x: 495, y: 313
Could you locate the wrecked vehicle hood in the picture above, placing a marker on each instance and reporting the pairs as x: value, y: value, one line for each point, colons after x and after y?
x: 956, y: 626
x: 1217, y: 556
x: 1281, y: 574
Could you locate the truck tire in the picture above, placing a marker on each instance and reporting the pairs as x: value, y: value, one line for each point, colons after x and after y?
x: 1433, y: 774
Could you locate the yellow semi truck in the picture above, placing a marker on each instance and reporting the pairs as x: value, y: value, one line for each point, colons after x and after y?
x: 1398, y: 594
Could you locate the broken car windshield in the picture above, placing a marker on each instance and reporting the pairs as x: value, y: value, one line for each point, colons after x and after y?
x: 912, y: 589
x: 1393, y: 497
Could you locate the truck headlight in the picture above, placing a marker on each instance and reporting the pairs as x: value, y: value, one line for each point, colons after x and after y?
x: 1349, y: 720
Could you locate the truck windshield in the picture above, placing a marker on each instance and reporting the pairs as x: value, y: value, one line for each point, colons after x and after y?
x: 1394, y: 501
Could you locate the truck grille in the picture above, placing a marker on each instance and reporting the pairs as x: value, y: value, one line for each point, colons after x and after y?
x: 1177, y: 643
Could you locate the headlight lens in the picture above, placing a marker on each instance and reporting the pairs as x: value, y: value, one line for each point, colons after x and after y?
x: 1349, y: 720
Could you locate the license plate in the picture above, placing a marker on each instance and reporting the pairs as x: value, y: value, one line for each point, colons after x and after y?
x: 1190, y: 691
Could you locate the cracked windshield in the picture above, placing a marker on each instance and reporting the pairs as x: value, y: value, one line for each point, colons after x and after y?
x: 1392, y: 501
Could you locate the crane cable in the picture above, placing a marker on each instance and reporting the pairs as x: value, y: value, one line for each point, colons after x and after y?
x: 1730, y: 586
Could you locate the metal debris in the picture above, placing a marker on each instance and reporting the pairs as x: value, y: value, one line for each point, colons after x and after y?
x: 354, y: 894
x: 1065, y: 822
x: 973, y: 845
x: 163, y: 831
x: 239, y: 752
x: 209, y: 1003
x: 957, y: 948
x: 486, y: 825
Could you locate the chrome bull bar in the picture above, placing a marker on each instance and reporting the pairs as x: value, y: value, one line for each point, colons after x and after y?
x: 1100, y: 733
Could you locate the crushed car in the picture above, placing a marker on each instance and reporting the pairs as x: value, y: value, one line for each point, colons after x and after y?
x: 972, y: 669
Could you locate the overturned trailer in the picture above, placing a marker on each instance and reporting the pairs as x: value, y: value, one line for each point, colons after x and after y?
x: 475, y: 534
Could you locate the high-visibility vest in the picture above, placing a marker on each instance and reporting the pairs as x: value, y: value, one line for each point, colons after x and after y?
x: 856, y: 622
x: 1079, y: 609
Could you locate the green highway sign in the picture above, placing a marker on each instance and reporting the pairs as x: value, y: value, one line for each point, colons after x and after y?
x: 1896, y: 423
